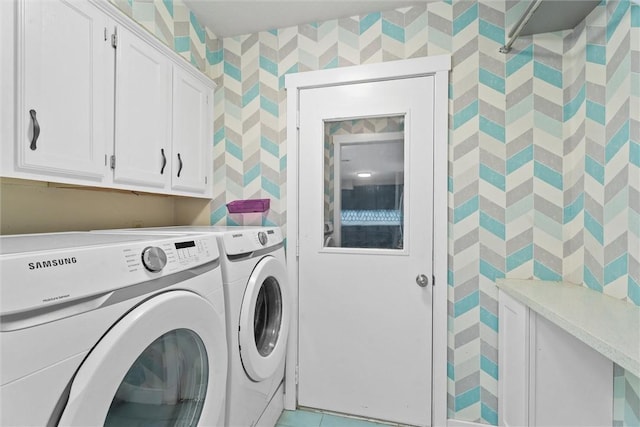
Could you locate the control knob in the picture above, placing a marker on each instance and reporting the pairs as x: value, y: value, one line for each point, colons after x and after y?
x: 262, y: 238
x: 153, y: 258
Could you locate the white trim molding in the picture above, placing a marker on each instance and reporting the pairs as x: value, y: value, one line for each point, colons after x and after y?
x: 437, y: 66
x: 458, y: 423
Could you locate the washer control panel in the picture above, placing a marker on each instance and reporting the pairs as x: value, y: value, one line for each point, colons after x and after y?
x: 59, y: 268
x: 172, y: 255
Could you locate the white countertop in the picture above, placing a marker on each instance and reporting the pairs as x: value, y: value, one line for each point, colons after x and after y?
x: 609, y: 325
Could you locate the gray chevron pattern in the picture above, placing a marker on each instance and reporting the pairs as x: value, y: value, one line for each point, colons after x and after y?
x: 544, y: 150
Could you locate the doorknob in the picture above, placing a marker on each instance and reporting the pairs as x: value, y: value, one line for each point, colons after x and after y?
x: 422, y: 280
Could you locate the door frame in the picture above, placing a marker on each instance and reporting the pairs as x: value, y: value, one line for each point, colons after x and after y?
x: 437, y: 66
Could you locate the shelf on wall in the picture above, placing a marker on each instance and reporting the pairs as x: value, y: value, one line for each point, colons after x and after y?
x: 545, y: 16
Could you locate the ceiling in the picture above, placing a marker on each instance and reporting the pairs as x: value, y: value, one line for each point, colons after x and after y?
x: 238, y: 17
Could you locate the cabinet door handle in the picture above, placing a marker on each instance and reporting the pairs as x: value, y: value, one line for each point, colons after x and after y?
x: 179, y: 165
x: 164, y: 161
x: 36, y: 129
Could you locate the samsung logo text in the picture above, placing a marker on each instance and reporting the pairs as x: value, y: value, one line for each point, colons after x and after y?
x: 51, y: 263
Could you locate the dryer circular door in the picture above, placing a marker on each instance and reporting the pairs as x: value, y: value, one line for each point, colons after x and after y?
x: 163, y: 363
x: 264, y: 319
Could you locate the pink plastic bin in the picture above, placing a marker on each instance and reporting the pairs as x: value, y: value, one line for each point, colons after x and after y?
x: 249, y: 205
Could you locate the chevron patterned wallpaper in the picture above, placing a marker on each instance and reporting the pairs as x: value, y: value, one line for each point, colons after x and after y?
x: 544, y: 150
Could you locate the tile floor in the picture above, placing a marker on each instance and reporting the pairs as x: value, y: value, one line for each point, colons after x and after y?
x: 307, y: 418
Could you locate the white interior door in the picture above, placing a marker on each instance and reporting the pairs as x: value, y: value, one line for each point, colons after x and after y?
x: 365, y: 333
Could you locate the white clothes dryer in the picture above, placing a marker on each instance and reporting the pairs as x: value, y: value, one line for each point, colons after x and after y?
x: 113, y: 330
x: 258, y: 305
x: 259, y: 312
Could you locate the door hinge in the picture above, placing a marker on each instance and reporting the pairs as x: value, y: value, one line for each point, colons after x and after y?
x: 113, y: 162
x: 114, y: 38
x: 297, y: 249
x: 105, y: 33
x: 298, y: 119
x: 297, y: 376
x: 433, y: 280
x: 205, y: 180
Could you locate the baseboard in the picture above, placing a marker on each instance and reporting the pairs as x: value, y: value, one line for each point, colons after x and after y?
x: 458, y: 423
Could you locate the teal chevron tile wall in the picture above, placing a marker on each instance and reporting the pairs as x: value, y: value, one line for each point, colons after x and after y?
x: 544, y: 150
x: 175, y: 25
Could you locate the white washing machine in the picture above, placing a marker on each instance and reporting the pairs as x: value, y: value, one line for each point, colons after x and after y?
x: 259, y: 312
x: 112, y: 329
x: 258, y: 315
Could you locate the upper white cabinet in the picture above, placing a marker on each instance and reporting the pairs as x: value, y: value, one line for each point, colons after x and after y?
x: 101, y: 102
x: 143, y: 113
x: 192, y: 112
x: 62, y: 63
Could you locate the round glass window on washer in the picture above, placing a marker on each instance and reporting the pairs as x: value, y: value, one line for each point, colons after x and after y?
x: 267, y: 318
x: 166, y: 385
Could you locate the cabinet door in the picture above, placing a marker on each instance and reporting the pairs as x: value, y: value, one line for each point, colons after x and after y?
x: 513, y: 362
x: 571, y: 384
x: 142, y: 113
x: 192, y: 133
x: 63, y: 59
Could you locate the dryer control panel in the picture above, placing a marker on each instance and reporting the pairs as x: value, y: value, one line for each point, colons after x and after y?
x: 244, y: 241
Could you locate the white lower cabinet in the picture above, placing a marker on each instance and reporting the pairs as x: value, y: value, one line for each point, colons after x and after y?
x: 99, y: 101
x: 547, y: 377
x: 513, y: 362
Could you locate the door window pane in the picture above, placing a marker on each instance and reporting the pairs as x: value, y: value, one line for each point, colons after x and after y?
x: 165, y: 386
x: 364, y: 183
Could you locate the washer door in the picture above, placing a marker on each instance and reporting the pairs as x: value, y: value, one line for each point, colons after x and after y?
x: 163, y: 363
x: 264, y: 320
